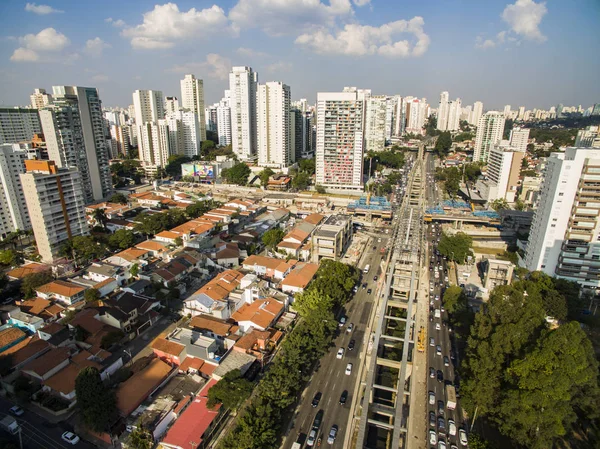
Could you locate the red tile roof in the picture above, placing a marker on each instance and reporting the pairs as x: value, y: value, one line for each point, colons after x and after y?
x: 261, y: 312
x: 136, y: 389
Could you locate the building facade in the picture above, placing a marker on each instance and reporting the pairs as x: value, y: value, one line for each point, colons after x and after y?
x: 442, y: 112
x: 489, y: 134
x: 40, y: 98
x: 192, y: 98
x: 588, y: 137
x: 18, y: 124
x: 377, y: 118
x: 13, y: 208
x: 242, y: 88
x: 56, y: 205
x: 504, y: 168
x: 340, y: 139
x: 274, y: 132
x: 476, y: 113
x: 519, y: 138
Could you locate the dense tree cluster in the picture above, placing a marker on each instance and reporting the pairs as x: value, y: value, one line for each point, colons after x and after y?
x: 272, y: 237
x: 199, y: 208
x: 128, y: 169
x: 97, y: 402
x: 456, y: 247
x: 238, y: 174
x: 443, y: 143
x: 532, y: 380
x: 451, y: 177
x: 33, y: 281
x: 152, y: 224
x: 230, y: 391
x: 259, y: 424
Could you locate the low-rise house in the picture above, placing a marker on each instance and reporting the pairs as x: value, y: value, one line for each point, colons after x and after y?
x: 260, y: 314
x: 102, y: 271
x: 197, y: 345
x: 129, y: 257
x: 169, y: 351
x: 63, y: 382
x: 48, y: 364
x: 46, y: 310
x: 268, y: 266
x: 25, y: 321
x: 156, y: 249
x: 299, y: 278
x: 168, y: 273
x: 64, y: 292
x: 212, y: 298
x: 257, y: 343
x: 242, y: 205
x: 124, y: 311
x: 168, y: 237
x: 224, y: 332
x: 23, y: 352
x: 139, y: 287
x: 227, y: 255
x: 26, y: 269
x: 10, y: 337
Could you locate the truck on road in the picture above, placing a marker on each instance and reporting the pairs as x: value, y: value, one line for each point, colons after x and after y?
x: 9, y: 424
x: 367, y: 268
x: 450, y: 397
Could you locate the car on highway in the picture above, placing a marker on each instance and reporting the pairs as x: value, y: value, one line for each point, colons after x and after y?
x: 437, y: 326
x: 369, y: 291
x: 348, y: 369
x: 312, y: 436
x: 340, y: 353
x: 462, y: 437
x: 344, y: 397
x: 451, y: 427
x: 438, y: 350
x: 441, y: 444
x: 441, y: 424
x: 441, y: 407
x: 16, y: 410
x: 431, y: 342
x: 318, y: 419
x: 431, y: 398
x: 432, y: 437
x: 355, y: 289
x: 432, y: 372
x: 350, y: 328
x: 375, y: 278
x: 70, y: 438
x: 431, y: 419
x: 364, y: 285
x: 342, y: 321
x: 446, y: 361
x: 442, y: 309
x: 351, y: 344
x: 332, y: 434
x: 316, y: 399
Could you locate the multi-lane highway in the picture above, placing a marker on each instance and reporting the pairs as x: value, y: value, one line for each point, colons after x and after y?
x: 330, y: 379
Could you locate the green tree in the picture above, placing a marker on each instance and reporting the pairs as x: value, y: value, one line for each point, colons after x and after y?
x: 519, y: 205
x: 336, y: 280
x: 97, y: 403
x: 320, y: 189
x: 443, y: 143
x: 118, y: 198
x: 91, y: 295
x: 301, y: 181
x: 134, y: 270
x: 258, y: 427
x: 312, y: 300
x: 555, y: 305
x: 199, y: 208
x: 111, y: 338
x: 452, y: 296
x: 151, y: 224
x: 83, y: 248
x: 499, y: 204
x: 472, y: 171
x: 8, y: 257
x: 34, y: 280
x: 238, y: 174
x: 140, y: 438
x: 173, y: 167
x: 272, y: 237
x: 456, y: 247
x: 431, y: 126
x: 121, y: 239
x: 265, y: 175
x: 207, y: 147
x: 231, y: 391
x: 307, y: 166
x: 100, y: 218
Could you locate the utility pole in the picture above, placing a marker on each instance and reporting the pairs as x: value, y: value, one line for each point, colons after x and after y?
x: 20, y: 439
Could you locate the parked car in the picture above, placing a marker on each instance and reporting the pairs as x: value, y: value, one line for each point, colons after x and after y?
x: 432, y: 419
x: 16, y: 410
x: 441, y: 424
x: 342, y: 321
x: 432, y: 372
x: 340, y: 353
x: 317, y: 399
x: 441, y: 407
x: 451, y: 427
x: 312, y: 436
x: 431, y: 398
x: 70, y: 438
x: 369, y: 291
x: 462, y: 437
x: 446, y: 361
x: 350, y: 328
x: 332, y: 434
x: 432, y: 437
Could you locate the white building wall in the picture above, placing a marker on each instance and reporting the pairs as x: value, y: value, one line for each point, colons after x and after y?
x: 13, y: 207
x: 489, y: 134
x: 273, y: 125
x: 442, y: 112
x: 519, y: 138
x: 375, y: 129
x: 242, y: 87
x: 192, y: 98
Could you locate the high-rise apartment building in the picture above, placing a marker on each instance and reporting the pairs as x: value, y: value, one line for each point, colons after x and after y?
x: 416, y: 112
x: 224, y: 120
x: 454, y: 111
x: 184, y: 133
x: 489, y: 134
x: 375, y: 128
x: 564, y: 235
x: 521, y: 114
x: 171, y: 105
x: 148, y: 108
x: 477, y: 113
x: 507, y: 111
x: 18, y: 124
x: 442, y: 112
x: 13, y: 208
x: 192, y: 98
x: 390, y: 116
x: 504, y: 168
x: 73, y: 127
x: 296, y: 127
x: 56, y: 205
x: 588, y: 137
x: 154, y: 150
x: 119, y: 140
x: 211, y: 117
x: 519, y: 138
x: 274, y: 133
x: 340, y: 139
x: 40, y: 98
x: 242, y: 87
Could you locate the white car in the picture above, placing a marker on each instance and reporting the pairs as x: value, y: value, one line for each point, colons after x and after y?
x: 340, y: 353
x: 432, y: 437
x: 462, y: 436
x: 16, y: 410
x: 70, y: 438
x: 332, y: 434
x: 312, y: 436
x: 441, y: 444
x: 348, y: 369
x: 451, y: 427
x: 350, y: 328
x: 437, y: 326
x: 431, y: 398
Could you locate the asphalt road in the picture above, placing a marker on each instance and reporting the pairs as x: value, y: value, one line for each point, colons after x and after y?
x: 329, y: 379
x: 37, y: 433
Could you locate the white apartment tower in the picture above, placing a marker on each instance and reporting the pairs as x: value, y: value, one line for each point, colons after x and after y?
x: 188, y: 128
x: 192, y: 98
x: 273, y: 127
x: 588, y: 137
x: 565, y: 231
x: 75, y: 134
x: 40, y: 98
x: 519, y: 138
x: 375, y: 128
x: 210, y: 115
x: 507, y: 111
x: 340, y: 139
x: 415, y: 114
x: 18, y: 124
x: 171, y: 105
x: 13, y: 208
x: 489, y: 134
x: 242, y: 87
x: 148, y: 108
x: 56, y: 205
x: 454, y: 111
x: 504, y: 167
x: 477, y: 113
x: 442, y: 112
x: 224, y: 120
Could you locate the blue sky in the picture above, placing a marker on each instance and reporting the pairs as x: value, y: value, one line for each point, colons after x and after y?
x: 518, y: 52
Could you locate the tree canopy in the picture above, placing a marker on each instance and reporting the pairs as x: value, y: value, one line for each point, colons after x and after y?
x: 301, y: 181
x: 238, y: 174
x: 118, y: 198
x: 173, y: 167
x: 456, y: 247
x: 83, y: 249
x: 8, y: 257
x: 32, y: 281
x: 272, y: 237
x: 152, y: 224
x: 443, y: 143
x: 230, y: 391
x: 265, y: 175
x: 307, y: 166
x: 199, y: 208
x: 121, y: 239
x: 97, y: 403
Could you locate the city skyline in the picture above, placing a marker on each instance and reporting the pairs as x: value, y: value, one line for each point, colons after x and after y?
x: 368, y: 44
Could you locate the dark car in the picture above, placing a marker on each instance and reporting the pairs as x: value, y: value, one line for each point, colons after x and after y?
x: 369, y: 291
x: 432, y: 372
x: 317, y: 399
x: 318, y: 419
x: 344, y: 397
x: 432, y: 419
x: 375, y: 278
x: 351, y: 345
x: 364, y: 285
x: 441, y: 424
x: 440, y: 376
x: 441, y: 408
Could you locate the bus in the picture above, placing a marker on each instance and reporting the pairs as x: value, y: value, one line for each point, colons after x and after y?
x: 450, y: 397
x: 367, y: 268
x: 421, y: 340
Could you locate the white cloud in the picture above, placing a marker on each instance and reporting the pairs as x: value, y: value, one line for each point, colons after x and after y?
x: 95, y: 47
x: 99, y: 78
x: 481, y: 43
x: 41, y: 9
x: 250, y: 53
x: 524, y: 18
x: 278, y: 67
x: 47, y: 40
x: 279, y: 17
x: 117, y: 23
x: 360, y: 3
x: 165, y: 24
x: 215, y: 66
x: 359, y: 40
